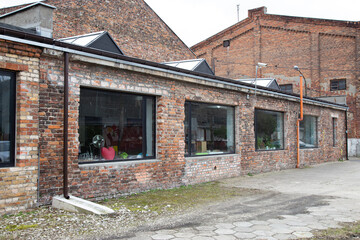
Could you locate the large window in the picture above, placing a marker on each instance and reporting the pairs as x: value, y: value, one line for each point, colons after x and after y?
x: 115, y: 126
x: 209, y: 129
x: 269, y: 130
x: 308, y: 132
x: 7, y: 118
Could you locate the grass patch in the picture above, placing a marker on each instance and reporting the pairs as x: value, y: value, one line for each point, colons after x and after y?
x: 349, y: 231
x: 20, y: 227
x: 175, y: 199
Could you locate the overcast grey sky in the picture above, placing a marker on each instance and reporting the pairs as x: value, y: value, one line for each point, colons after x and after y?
x: 196, y: 20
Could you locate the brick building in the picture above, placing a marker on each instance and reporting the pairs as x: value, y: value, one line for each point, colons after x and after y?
x: 326, y: 51
x: 135, y: 27
x: 135, y: 125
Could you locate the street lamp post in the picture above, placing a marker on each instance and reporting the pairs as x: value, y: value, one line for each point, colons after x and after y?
x: 298, y: 69
x: 301, y: 117
x: 258, y: 65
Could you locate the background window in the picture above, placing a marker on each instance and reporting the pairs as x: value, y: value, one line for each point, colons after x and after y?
x: 269, y: 130
x: 115, y: 126
x: 286, y: 87
x: 338, y: 84
x: 308, y: 132
x: 7, y: 118
x: 209, y: 129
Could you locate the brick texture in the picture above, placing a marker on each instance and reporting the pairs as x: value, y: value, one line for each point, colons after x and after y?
x: 18, y: 185
x: 135, y: 27
x: 323, y: 49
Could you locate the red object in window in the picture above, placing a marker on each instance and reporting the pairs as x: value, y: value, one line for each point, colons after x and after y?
x: 108, y: 153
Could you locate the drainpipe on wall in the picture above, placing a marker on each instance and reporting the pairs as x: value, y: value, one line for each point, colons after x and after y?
x: 346, y: 135
x: 298, y: 122
x: 66, y: 121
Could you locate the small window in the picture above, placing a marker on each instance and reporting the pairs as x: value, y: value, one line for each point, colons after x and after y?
x: 286, y: 87
x: 308, y: 132
x: 115, y: 126
x: 269, y: 130
x: 338, y: 84
x: 226, y: 43
x: 334, y: 124
x: 7, y: 118
x: 209, y: 129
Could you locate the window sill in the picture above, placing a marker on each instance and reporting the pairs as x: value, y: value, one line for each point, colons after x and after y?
x: 269, y: 150
x: 212, y: 156
x: 119, y: 163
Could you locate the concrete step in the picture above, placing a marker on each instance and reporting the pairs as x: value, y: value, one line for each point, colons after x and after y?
x: 78, y: 205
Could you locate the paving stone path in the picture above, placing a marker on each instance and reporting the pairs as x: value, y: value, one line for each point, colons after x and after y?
x: 337, y: 183
x: 285, y: 227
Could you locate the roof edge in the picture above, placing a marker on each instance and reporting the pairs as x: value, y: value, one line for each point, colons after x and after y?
x: 45, y: 42
x: 262, y: 11
x: 27, y: 7
x: 157, y: 15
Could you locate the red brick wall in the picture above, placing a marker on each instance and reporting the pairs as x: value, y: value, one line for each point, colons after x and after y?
x: 18, y: 184
x: 323, y: 49
x: 170, y: 168
x: 138, y: 31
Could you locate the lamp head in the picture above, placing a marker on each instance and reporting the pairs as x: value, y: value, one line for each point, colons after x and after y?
x: 261, y: 64
x: 296, y: 68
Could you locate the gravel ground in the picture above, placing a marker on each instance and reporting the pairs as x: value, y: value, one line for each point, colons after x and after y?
x: 48, y: 223
x: 143, y: 212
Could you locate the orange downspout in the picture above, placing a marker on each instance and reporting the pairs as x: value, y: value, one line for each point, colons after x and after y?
x: 298, y: 122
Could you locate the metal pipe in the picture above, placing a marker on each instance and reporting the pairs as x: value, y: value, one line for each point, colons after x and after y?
x: 346, y: 135
x: 66, y: 122
x: 298, y: 123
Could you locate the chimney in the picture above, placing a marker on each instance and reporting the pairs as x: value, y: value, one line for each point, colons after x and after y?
x: 257, y: 11
x: 37, y: 17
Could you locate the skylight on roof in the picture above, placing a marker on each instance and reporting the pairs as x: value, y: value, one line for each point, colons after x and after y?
x: 84, y: 41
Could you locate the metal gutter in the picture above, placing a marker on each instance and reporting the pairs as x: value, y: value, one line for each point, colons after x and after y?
x: 49, y: 43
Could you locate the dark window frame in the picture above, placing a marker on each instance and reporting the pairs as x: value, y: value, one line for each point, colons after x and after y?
x: 316, y: 131
x: 143, y: 110
x: 188, y: 140
x: 226, y: 43
x: 256, y: 134
x: 12, y: 120
x: 286, y: 86
x: 338, y: 84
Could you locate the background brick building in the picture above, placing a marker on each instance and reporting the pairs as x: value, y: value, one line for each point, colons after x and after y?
x: 326, y: 51
x: 135, y: 27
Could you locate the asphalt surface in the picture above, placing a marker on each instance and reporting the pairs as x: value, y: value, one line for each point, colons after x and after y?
x: 289, y: 204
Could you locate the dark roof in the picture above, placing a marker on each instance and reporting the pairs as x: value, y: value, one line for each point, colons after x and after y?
x: 98, y: 40
x: 50, y: 41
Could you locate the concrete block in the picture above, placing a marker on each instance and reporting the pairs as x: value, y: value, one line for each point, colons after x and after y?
x: 78, y: 205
